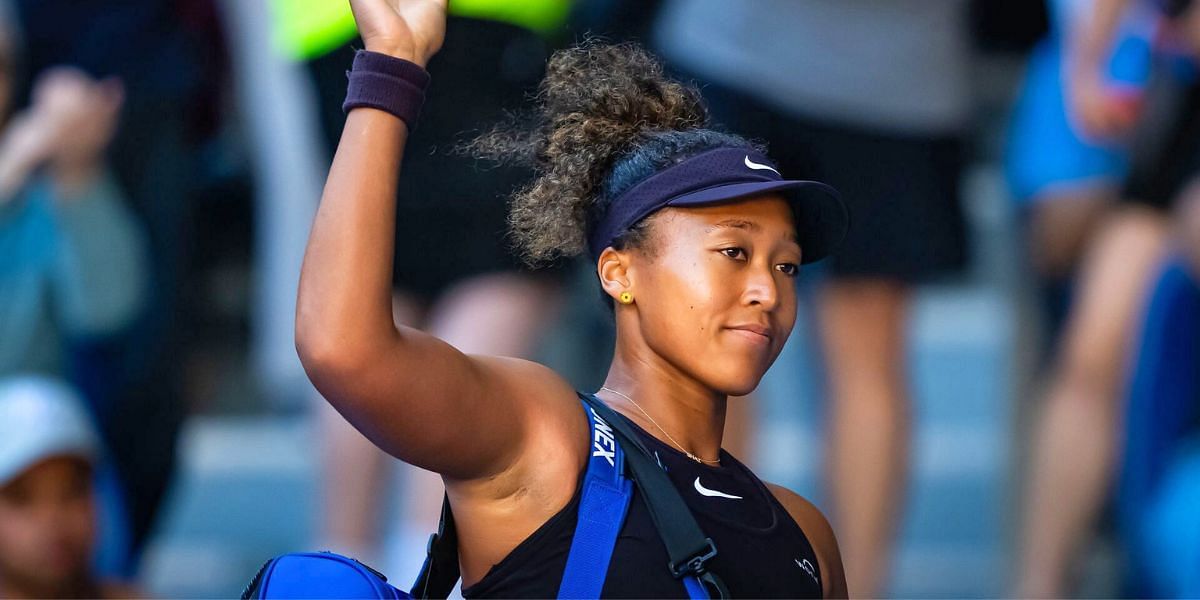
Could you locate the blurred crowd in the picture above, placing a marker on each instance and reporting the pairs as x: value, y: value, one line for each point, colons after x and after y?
x: 161, y: 162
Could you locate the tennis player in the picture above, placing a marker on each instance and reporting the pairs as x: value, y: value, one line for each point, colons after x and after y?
x: 696, y: 239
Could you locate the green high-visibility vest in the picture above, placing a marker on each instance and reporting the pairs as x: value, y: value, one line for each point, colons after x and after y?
x: 307, y: 29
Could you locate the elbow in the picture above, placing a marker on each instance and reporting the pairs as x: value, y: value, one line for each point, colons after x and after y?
x: 317, y: 345
x: 331, y: 372
x: 314, y: 356
x: 322, y: 356
x: 333, y: 361
x: 338, y: 355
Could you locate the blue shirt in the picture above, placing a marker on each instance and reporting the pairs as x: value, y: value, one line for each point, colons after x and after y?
x: 70, y: 268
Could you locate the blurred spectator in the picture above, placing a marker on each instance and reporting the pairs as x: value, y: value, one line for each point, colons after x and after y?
x: 1125, y: 267
x: 454, y: 272
x: 1159, y: 530
x: 1157, y: 483
x: 160, y: 52
x: 1170, y: 529
x: 74, y: 262
x: 871, y: 97
x: 1063, y: 180
x: 74, y: 267
x: 48, y: 449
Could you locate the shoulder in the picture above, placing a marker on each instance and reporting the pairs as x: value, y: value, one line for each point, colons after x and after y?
x: 820, y: 534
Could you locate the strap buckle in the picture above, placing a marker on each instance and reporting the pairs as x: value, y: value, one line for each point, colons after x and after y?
x: 695, y: 564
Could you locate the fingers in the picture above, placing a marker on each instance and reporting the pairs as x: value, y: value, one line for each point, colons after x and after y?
x: 76, y: 114
x: 409, y: 29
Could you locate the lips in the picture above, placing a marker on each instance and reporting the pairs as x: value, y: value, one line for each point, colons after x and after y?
x: 753, y: 332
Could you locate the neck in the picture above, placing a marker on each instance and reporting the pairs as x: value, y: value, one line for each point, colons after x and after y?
x: 685, y: 409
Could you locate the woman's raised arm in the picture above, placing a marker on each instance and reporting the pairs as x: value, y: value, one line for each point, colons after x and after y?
x: 413, y: 395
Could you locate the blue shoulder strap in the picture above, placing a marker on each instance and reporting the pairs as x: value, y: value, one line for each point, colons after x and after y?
x: 602, y: 509
x: 687, y: 547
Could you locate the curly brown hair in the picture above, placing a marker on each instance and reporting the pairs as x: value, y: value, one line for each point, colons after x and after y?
x: 605, y: 117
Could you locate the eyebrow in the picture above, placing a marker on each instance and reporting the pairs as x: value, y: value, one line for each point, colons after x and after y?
x: 735, y: 224
x: 744, y: 225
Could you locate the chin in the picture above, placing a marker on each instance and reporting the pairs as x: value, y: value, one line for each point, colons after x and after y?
x: 737, y: 382
x: 741, y: 390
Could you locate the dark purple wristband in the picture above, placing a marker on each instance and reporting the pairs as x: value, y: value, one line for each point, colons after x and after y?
x: 387, y: 83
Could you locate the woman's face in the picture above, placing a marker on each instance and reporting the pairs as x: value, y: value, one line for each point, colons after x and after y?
x: 714, y: 291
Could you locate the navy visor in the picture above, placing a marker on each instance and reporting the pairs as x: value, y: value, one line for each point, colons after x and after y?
x: 721, y: 176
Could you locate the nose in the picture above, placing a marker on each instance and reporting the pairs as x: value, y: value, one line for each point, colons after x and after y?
x: 762, y: 288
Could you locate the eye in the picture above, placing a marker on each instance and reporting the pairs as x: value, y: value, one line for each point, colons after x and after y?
x: 735, y: 253
x: 789, y: 269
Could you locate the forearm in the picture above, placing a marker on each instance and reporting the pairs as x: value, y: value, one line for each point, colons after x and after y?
x: 344, y: 306
x: 410, y: 393
x: 1091, y: 39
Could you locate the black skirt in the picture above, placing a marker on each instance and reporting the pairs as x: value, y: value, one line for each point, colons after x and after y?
x: 1166, y: 143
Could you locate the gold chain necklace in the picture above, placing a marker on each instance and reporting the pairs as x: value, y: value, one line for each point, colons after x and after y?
x: 664, y: 431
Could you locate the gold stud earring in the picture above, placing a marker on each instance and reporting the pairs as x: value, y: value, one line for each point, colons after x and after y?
x: 626, y: 298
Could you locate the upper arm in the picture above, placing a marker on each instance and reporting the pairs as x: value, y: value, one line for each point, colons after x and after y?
x: 425, y: 402
x: 820, y: 535
x: 416, y: 397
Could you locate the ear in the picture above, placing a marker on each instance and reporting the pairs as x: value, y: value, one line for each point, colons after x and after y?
x: 615, y: 272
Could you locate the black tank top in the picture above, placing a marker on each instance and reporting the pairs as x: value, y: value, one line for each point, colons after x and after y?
x: 761, y: 551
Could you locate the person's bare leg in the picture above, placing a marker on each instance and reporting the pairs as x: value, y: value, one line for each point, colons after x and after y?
x: 353, y: 472
x: 1075, y: 439
x: 502, y: 315
x: 862, y: 326
x: 1061, y: 226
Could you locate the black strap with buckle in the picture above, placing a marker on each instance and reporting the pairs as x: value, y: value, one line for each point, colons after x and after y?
x: 440, y: 571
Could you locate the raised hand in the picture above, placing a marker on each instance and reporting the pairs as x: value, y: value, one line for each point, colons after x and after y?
x: 80, y: 112
x: 408, y: 29
x: 68, y: 125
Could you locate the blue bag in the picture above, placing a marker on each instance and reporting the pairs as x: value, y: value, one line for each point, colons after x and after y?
x: 319, y: 575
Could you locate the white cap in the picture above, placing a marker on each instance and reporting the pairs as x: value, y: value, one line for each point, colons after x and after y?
x: 41, y: 418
